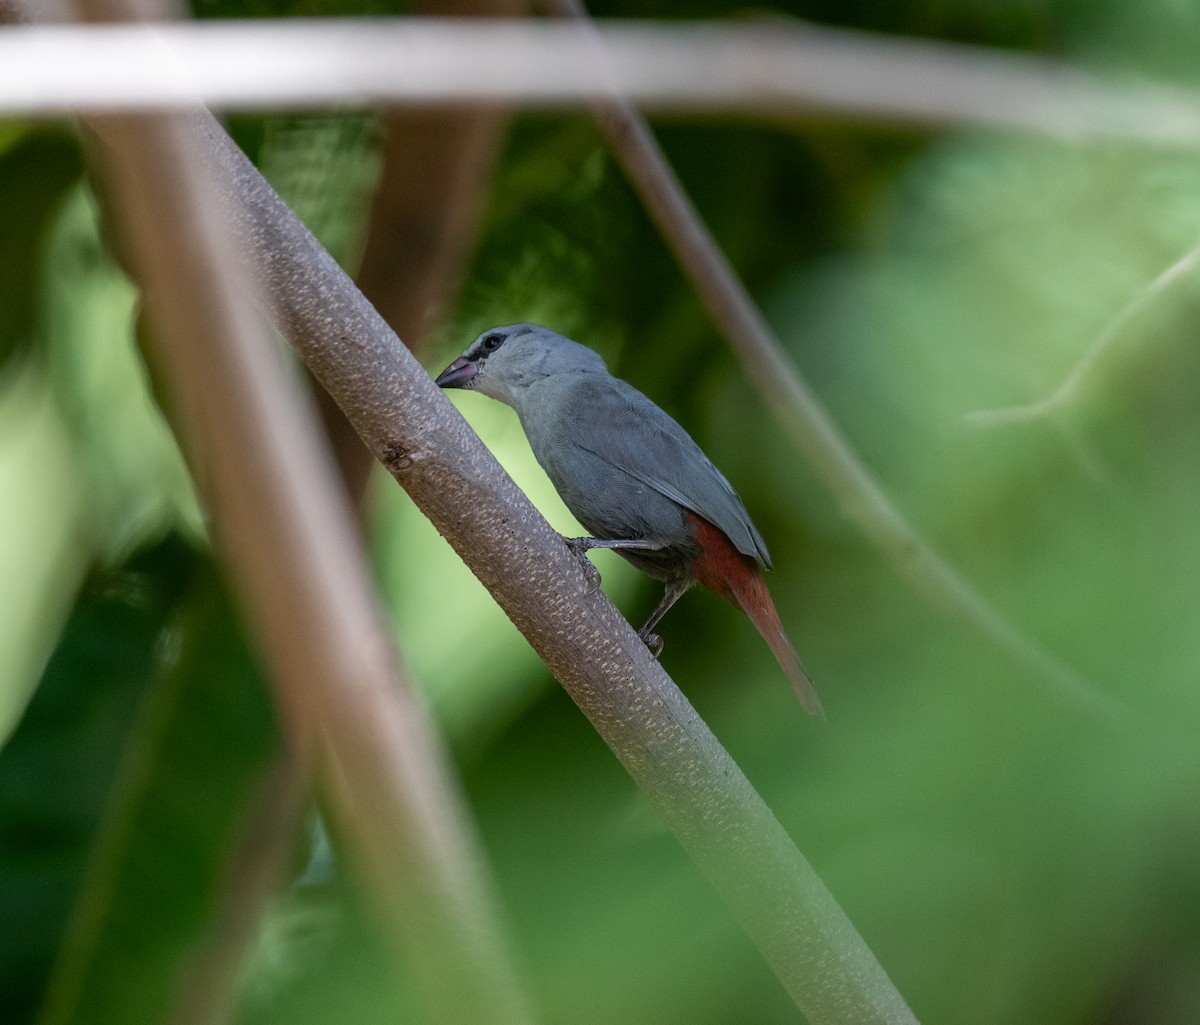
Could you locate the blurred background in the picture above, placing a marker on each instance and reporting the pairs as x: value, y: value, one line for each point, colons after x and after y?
x: 1009, y: 856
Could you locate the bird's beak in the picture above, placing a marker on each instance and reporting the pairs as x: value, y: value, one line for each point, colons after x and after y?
x: 457, y: 374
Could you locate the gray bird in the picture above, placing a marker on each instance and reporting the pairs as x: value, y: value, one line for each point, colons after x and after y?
x: 631, y: 475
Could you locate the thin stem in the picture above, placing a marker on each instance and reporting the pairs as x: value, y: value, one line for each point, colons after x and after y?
x: 1067, y: 392
x: 800, y: 413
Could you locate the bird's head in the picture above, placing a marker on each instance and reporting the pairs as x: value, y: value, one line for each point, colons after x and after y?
x: 504, y: 361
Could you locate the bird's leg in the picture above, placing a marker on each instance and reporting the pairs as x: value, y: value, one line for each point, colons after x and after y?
x: 580, y: 546
x: 675, y: 591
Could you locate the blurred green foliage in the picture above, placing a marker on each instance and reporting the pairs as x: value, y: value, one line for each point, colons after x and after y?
x: 122, y: 791
x: 1008, y: 858
x: 36, y: 171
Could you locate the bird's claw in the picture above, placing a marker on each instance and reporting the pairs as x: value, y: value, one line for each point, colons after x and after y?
x: 653, y: 642
x: 579, y: 547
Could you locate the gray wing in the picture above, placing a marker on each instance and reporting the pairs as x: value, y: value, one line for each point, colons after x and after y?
x: 618, y: 424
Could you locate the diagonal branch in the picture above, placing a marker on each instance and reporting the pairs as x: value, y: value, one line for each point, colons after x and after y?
x: 289, y: 538
x: 682, y: 769
x: 800, y: 413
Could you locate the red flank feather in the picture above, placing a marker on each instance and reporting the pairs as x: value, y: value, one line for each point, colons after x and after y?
x: 738, y: 579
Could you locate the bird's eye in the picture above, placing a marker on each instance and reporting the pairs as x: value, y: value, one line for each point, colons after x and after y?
x: 492, y: 342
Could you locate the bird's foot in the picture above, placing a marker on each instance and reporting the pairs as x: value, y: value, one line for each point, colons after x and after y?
x: 579, y: 547
x: 652, y: 641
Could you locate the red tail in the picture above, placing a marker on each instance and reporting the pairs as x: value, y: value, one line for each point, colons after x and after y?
x: 737, y: 578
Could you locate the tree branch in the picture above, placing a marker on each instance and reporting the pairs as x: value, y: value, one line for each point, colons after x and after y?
x: 584, y: 640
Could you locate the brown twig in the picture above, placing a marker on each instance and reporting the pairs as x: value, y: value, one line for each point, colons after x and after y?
x: 798, y: 410
x: 294, y: 555
x: 436, y: 165
x: 423, y: 221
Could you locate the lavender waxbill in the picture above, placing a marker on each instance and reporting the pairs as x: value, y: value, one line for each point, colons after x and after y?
x: 631, y: 475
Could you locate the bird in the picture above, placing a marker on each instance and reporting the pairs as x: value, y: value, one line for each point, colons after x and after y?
x: 632, y: 476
